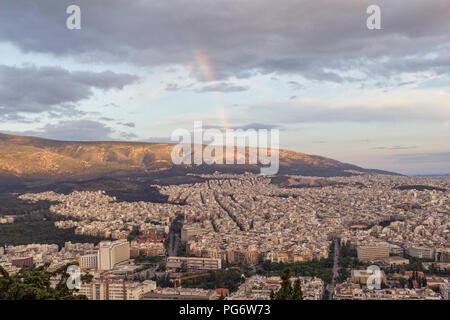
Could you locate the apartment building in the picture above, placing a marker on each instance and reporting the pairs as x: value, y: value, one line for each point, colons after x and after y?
x: 112, y: 253
x: 194, y: 263
x: 88, y: 261
x: 373, y: 252
x: 22, y: 262
x: 116, y: 289
x: 420, y: 252
x: 189, y: 231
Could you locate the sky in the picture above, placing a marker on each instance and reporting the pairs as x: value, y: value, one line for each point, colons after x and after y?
x: 137, y: 70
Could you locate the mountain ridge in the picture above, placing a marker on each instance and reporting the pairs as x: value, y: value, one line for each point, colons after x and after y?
x: 27, y: 157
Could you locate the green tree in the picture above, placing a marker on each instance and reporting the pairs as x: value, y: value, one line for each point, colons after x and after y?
x: 403, y: 282
x: 34, y: 284
x: 297, y: 293
x: 285, y: 292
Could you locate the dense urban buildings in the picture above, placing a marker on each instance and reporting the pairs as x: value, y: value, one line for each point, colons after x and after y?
x: 246, y: 219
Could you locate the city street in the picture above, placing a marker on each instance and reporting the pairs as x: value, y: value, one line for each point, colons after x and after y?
x: 335, y: 269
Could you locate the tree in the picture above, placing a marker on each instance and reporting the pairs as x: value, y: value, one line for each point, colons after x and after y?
x: 403, y: 282
x: 297, y: 293
x: 34, y: 284
x: 410, y: 283
x: 286, y: 292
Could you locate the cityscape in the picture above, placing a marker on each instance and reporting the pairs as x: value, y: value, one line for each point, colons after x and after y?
x: 225, y: 158
x: 248, y: 223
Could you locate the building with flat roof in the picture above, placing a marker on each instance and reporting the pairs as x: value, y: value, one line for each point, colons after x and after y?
x: 112, y: 253
x: 88, y: 261
x: 189, y: 231
x: 396, y: 261
x: 116, y: 289
x: 373, y: 252
x: 420, y: 252
x: 23, y: 262
x: 194, y: 263
x: 362, y: 276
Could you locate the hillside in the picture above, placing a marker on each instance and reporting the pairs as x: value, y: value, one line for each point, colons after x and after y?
x: 23, y: 157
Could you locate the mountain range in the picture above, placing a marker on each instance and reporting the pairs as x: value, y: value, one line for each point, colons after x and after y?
x: 32, y: 158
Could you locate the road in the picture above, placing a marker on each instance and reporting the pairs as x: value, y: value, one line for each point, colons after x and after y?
x: 335, y: 269
x: 173, y: 244
x: 151, y: 271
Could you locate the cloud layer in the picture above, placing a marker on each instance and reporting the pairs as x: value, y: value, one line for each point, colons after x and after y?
x: 51, y: 89
x: 319, y: 40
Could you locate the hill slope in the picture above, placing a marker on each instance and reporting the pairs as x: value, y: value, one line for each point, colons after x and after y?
x: 24, y: 157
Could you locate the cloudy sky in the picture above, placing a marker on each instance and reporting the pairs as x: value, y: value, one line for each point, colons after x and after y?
x: 137, y: 70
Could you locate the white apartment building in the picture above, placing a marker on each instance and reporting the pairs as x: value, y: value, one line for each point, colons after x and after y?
x: 88, y: 261
x: 372, y: 252
x: 116, y: 289
x: 420, y: 252
x: 112, y: 253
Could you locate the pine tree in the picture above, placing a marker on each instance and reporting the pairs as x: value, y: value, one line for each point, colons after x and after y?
x: 297, y: 293
x: 285, y: 291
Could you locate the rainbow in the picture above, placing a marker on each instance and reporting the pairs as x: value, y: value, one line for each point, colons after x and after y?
x: 206, y: 67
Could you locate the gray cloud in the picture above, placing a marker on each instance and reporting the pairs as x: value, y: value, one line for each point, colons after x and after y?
x: 317, y: 39
x: 397, y: 147
x: 172, y: 87
x: 127, y: 124
x: 71, y: 130
x: 223, y: 87
x: 52, y: 89
x: 128, y: 135
x: 424, y: 157
x: 82, y: 130
x: 249, y: 126
x: 105, y: 119
x: 304, y: 111
x: 295, y: 85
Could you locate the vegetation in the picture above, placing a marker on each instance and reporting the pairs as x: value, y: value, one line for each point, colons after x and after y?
x: 287, y: 292
x: 230, y: 279
x: 11, y: 205
x: 177, y: 224
x: 148, y: 259
x: 322, y: 268
x: 420, y: 281
x: 163, y: 281
x: 419, y: 188
x: 34, y: 284
x: 348, y: 258
x: 34, y: 223
x: 435, y: 269
x: 314, y: 268
x: 40, y: 232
